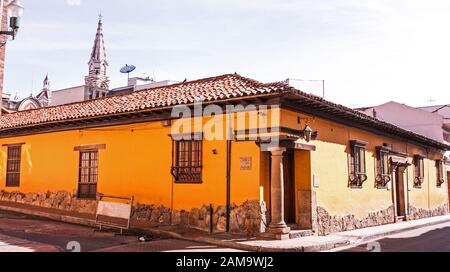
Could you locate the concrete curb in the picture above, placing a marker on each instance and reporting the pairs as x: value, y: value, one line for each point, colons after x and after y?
x: 342, y: 241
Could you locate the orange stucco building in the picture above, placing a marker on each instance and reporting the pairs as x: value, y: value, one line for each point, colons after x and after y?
x: 291, y: 161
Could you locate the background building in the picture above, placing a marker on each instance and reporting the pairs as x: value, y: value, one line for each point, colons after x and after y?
x: 138, y: 84
x: 444, y: 111
x: 96, y: 83
x: 431, y: 121
x: 428, y: 123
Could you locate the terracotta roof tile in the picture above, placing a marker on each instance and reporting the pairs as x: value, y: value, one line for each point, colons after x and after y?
x: 209, y: 89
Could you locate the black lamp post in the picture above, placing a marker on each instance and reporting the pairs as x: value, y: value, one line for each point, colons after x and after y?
x: 15, y: 12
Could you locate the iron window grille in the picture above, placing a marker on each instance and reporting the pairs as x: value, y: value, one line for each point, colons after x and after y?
x: 357, y: 164
x: 383, y: 175
x: 440, y: 173
x: 419, y: 173
x: 188, y: 162
x: 88, y: 174
x: 13, y: 166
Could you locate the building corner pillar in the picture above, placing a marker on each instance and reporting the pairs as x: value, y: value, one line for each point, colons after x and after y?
x: 277, y: 227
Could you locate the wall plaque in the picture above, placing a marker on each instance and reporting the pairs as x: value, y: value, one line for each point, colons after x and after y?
x: 246, y: 163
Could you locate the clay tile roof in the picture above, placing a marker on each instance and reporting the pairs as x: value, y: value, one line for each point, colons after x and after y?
x: 208, y: 89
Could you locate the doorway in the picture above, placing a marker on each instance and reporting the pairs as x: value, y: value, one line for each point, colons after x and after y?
x: 400, y: 191
x: 289, y: 186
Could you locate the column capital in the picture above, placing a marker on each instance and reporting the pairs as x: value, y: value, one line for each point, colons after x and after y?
x: 276, y: 151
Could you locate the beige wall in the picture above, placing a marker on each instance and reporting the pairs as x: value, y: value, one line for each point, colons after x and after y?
x: 330, y: 164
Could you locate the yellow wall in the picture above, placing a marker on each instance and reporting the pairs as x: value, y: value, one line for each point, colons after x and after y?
x: 136, y: 161
x: 330, y: 163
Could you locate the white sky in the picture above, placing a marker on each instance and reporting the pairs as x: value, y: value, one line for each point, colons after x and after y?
x: 368, y: 51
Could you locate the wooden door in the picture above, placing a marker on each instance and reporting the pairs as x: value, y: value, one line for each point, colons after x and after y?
x: 289, y: 187
x: 400, y: 192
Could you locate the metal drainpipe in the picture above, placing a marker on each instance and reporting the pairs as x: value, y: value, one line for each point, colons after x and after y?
x: 428, y: 177
x: 228, y: 184
x: 407, y: 186
x: 173, y: 183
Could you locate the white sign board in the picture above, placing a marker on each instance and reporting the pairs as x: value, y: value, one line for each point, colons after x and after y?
x: 112, y: 209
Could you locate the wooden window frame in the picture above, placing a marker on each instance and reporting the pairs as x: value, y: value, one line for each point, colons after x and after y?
x: 358, y: 165
x: 440, y: 173
x: 419, y: 171
x: 13, y: 165
x: 89, y: 180
x: 383, y: 172
x: 188, y: 161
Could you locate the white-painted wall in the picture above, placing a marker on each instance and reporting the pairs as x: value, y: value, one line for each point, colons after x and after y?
x: 419, y: 121
x: 69, y: 95
x: 154, y: 85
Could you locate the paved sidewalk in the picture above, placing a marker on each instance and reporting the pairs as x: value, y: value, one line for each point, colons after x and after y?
x: 241, y: 242
x: 12, y: 244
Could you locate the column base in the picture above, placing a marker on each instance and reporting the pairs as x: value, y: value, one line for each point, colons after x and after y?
x: 277, y: 233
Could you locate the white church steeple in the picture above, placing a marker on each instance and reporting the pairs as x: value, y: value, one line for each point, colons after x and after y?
x: 46, y: 84
x: 45, y: 96
x: 97, y: 78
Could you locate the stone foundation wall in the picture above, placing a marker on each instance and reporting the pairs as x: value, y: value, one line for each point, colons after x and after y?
x: 416, y: 213
x: 59, y: 200
x: 245, y: 218
x: 327, y: 223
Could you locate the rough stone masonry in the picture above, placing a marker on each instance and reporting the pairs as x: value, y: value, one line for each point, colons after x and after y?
x: 245, y: 218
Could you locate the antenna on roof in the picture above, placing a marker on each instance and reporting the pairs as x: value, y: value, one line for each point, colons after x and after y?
x: 127, y: 69
x: 309, y: 80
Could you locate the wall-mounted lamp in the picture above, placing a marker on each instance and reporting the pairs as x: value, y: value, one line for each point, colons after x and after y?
x: 15, y: 12
x: 309, y: 134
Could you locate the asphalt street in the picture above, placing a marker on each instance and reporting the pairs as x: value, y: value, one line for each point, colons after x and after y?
x: 427, y: 239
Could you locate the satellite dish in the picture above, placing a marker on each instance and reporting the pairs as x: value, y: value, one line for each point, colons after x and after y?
x: 127, y: 69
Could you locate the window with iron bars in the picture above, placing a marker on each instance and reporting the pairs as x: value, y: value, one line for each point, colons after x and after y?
x: 88, y: 174
x: 357, y: 164
x: 13, y: 166
x: 440, y: 172
x: 187, y: 167
x: 383, y: 177
x: 419, y: 173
